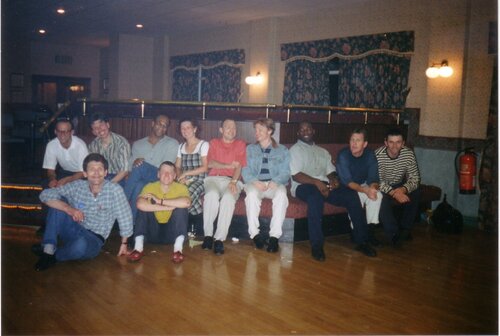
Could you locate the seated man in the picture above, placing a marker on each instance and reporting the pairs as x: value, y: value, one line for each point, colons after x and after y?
x: 83, y: 222
x: 114, y: 148
x: 314, y: 181
x: 266, y: 176
x: 358, y: 170
x: 147, y: 155
x: 67, y: 151
x: 162, y: 215
x: 226, y: 156
x: 399, y: 182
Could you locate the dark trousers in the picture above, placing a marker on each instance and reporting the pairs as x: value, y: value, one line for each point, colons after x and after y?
x: 409, y: 212
x: 341, y: 196
x: 146, y: 225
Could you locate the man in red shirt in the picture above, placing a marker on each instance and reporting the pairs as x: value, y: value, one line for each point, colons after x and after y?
x: 226, y: 157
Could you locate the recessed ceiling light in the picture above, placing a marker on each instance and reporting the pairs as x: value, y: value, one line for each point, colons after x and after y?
x: 42, y: 31
x: 139, y: 25
x: 61, y: 11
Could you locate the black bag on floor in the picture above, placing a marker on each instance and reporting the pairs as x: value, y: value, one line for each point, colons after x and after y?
x: 447, y: 219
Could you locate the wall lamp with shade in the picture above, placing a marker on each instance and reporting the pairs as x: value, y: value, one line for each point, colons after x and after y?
x: 252, y: 80
x: 439, y: 70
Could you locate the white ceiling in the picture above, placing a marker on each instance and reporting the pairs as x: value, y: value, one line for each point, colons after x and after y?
x: 91, y: 21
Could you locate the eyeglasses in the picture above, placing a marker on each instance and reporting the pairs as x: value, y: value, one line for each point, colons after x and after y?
x: 63, y: 131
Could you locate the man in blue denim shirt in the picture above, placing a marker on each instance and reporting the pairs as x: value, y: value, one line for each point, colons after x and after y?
x: 266, y: 176
x: 85, y: 218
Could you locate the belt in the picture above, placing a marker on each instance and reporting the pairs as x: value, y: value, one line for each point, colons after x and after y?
x: 101, y: 238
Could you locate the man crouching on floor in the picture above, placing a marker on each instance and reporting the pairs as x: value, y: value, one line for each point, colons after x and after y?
x: 82, y: 214
x: 162, y: 216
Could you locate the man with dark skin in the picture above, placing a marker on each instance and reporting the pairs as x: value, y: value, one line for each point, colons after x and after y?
x: 314, y: 181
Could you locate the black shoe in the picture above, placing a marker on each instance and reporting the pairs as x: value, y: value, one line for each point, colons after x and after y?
x: 218, y: 247
x: 367, y: 250
x: 273, y: 245
x: 207, y: 243
x: 258, y: 241
x: 45, y: 261
x: 318, y: 253
x: 37, y: 249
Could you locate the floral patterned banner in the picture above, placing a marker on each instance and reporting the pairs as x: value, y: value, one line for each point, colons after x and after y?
x: 400, y: 42
x: 234, y: 56
x: 220, y: 76
x: 373, y: 70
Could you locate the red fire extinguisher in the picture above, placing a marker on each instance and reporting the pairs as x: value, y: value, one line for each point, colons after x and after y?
x: 466, y: 170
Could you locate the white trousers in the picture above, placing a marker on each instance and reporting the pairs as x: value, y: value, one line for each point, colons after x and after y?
x: 372, y: 208
x: 253, y: 202
x: 220, y: 201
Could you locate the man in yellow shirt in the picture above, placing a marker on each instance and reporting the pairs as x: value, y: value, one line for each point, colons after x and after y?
x: 162, y: 216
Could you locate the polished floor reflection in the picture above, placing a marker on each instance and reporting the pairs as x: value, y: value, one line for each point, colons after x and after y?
x: 436, y: 284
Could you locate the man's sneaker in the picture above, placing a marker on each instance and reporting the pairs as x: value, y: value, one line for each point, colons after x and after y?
x: 218, y: 247
x: 273, y: 245
x: 45, y: 261
x: 207, y: 243
x: 258, y: 241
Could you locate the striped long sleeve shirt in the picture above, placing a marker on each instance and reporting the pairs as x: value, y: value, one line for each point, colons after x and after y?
x: 401, y: 171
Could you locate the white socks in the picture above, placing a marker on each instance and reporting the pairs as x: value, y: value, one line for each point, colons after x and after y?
x: 49, y: 249
x: 179, y: 241
x: 139, y: 243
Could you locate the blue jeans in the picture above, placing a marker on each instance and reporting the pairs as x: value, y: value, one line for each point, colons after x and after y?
x: 341, y: 196
x: 137, y: 179
x: 78, y: 242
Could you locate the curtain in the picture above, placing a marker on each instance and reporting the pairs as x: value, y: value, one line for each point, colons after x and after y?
x: 373, y: 70
x: 220, y: 76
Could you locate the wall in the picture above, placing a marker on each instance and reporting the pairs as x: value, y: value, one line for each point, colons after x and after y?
x: 85, y: 62
x: 135, y: 67
x: 437, y: 167
x: 456, y: 30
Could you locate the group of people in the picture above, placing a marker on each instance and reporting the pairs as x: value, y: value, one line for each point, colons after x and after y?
x: 154, y: 188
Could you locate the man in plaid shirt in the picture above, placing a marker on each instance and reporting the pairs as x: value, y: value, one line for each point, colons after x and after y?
x: 82, y: 214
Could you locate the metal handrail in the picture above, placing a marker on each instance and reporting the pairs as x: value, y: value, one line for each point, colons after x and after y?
x: 287, y: 107
x: 54, y: 116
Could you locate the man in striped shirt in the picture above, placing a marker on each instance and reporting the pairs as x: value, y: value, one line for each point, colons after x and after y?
x: 114, y: 147
x: 399, y: 182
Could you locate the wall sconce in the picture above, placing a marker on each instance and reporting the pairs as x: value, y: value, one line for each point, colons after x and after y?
x: 257, y: 79
x: 439, y: 70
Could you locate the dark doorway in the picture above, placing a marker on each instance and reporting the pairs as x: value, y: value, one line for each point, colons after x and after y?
x: 54, y: 91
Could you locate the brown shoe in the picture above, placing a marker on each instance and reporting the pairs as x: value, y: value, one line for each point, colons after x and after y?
x: 177, y: 257
x: 135, y: 256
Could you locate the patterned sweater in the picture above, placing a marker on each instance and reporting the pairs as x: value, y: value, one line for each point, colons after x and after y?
x: 401, y: 171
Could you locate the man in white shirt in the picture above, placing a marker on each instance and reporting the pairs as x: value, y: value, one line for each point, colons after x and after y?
x: 66, y: 150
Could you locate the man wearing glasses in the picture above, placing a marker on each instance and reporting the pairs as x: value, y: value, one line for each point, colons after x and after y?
x: 64, y: 156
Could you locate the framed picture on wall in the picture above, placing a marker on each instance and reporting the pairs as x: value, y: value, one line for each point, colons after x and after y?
x: 17, y: 80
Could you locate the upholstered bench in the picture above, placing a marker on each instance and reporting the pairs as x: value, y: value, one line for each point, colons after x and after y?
x: 335, y: 219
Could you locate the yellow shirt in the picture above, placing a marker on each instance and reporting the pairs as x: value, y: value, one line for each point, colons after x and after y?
x: 175, y: 190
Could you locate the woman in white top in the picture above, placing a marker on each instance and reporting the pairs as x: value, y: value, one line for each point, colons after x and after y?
x: 191, y: 164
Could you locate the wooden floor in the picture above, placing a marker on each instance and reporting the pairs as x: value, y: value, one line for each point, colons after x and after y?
x: 436, y: 284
